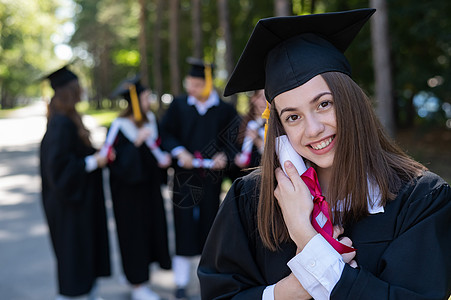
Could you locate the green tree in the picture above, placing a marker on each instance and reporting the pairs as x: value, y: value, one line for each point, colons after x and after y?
x: 26, y: 47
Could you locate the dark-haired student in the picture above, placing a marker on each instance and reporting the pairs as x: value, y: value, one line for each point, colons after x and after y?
x: 267, y: 241
x: 72, y: 193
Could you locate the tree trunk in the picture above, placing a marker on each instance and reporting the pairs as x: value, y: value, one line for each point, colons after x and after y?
x: 224, y: 23
x: 174, y: 11
x: 382, y: 66
x: 157, y: 57
x: 143, y: 42
x: 196, y: 24
x: 282, y: 7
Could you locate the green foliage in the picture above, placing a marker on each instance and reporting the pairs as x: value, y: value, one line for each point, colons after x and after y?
x: 126, y: 57
x: 26, y: 50
x: 106, y: 42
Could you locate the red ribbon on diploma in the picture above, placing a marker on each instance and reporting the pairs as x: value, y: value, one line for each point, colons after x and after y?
x: 320, y: 205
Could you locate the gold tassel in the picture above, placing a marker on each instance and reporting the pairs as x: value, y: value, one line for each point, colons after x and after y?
x: 208, y: 82
x: 265, y: 115
x: 135, y: 103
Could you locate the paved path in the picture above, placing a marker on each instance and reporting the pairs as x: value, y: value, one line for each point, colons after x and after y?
x: 27, y: 266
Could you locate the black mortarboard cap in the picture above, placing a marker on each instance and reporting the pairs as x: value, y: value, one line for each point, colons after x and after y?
x: 123, y: 89
x: 197, y: 67
x: 285, y: 52
x: 60, y: 77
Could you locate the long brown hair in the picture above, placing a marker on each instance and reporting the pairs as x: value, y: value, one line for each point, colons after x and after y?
x: 363, y: 149
x: 63, y: 102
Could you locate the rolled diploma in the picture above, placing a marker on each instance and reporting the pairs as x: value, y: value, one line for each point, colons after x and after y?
x: 246, y: 148
x: 111, y: 136
x: 205, y: 163
x: 286, y: 152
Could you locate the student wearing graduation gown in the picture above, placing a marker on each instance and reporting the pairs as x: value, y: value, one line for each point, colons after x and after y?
x: 250, y: 137
x: 136, y: 188
x: 199, y: 126
x: 267, y: 243
x: 72, y: 192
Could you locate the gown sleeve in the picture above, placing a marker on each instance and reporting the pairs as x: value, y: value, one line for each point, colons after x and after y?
x: 417, y: 263
x: 228, y: 269
x: 64, y: 168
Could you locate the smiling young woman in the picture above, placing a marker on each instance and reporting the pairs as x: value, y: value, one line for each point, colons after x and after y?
x: 270, y: 240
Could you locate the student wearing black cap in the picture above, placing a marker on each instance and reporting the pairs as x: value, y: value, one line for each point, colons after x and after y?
x: 72, y: 193
x: 199, y: 129
x: 135, y: 182
x: 269, y: 239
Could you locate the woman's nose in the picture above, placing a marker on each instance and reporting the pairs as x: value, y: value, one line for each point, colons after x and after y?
x: 314, y: 126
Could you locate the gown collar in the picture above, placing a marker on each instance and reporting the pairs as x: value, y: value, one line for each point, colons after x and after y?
x: 203, y: 107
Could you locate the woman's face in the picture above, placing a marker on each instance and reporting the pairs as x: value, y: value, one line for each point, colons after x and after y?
x: 308, y: 117
x: 259, y: 101
x: 144, y: 99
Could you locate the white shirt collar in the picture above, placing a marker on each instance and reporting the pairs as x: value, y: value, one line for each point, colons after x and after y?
x: 374, y: 199
x: 203, y: 107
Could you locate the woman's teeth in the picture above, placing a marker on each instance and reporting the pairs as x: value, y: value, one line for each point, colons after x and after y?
x: 323, y: 144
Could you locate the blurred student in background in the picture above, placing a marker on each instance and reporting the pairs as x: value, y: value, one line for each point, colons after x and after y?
x: 199, y: 129
x: 72, y: 193
x: 250, y: 137
x: 135, y: 180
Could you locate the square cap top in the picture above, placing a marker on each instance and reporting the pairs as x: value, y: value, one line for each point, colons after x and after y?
x: 197, y: 67
x: 123, y: 89
x: 61, y: 77
x: 285, y: 52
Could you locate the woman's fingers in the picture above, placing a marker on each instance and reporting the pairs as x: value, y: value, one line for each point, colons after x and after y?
x: 347, y: 257
x: 338, y: 230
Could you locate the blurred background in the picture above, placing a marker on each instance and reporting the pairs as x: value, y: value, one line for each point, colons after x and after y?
x: 402, y: 59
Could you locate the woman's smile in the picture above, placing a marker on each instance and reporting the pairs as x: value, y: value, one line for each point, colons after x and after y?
x: 323, y: 146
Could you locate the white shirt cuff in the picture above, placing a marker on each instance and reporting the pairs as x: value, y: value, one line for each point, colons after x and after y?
x: 90, y: 163
x: 318, y: 267
x: 177, y: 150
x: 268, y: 293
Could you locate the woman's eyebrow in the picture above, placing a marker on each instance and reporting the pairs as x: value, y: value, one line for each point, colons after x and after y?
x: 319, y: 96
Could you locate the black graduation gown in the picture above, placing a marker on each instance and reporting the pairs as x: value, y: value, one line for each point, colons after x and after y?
x: 196, y: 192
x: 138, y: 209
x: 74, y: 206
x: 403, y: 253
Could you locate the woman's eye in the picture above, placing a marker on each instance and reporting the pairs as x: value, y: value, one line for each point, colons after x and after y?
x: 324, y: 104
x: 292, y: 118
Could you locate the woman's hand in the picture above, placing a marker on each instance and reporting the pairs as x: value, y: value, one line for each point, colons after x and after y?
x: 166, y: 162
x: 252, y: 133
x: 290, y: 288
x: 219, y: 161
x: 143, y: 134
x: 347, y: 257
x: 101, y: 160
x: 296, y: 204
x: 185, y: 159
x: 238, y: 161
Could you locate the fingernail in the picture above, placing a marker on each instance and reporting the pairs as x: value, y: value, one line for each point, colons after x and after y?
x: 288, y: 164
